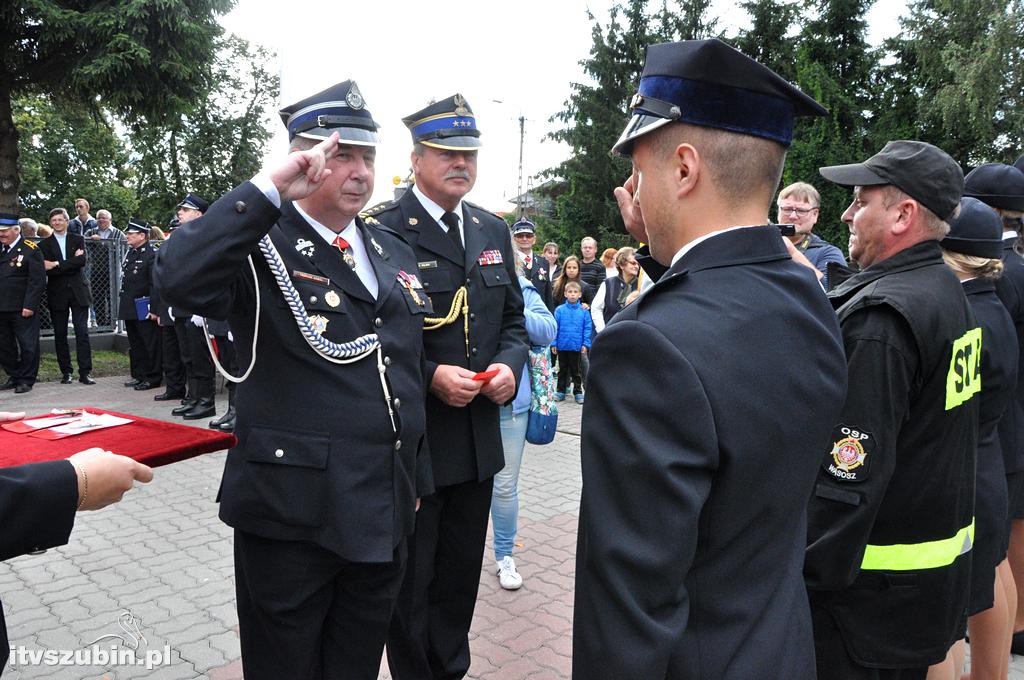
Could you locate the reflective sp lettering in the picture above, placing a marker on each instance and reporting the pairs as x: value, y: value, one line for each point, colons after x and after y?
x: 964, y: 378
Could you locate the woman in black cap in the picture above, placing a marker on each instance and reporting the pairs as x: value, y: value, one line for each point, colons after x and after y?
x: 973, y: 250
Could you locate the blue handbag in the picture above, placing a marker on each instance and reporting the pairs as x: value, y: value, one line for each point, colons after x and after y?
x: 543, y: 416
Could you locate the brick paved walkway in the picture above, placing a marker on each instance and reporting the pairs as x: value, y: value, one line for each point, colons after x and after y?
x: 163, y: 555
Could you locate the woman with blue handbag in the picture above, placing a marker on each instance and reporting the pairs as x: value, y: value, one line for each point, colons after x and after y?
x: 540, y: 326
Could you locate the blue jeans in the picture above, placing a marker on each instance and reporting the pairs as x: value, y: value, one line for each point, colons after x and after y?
x: 505, y: 497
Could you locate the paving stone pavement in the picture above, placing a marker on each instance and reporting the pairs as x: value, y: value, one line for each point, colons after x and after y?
x: 165, y: 557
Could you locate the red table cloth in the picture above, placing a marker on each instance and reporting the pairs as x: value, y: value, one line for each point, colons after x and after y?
x: 153, y: 442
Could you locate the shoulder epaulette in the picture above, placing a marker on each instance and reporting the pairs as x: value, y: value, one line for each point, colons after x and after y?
x: 379, y: 208
x: 483, y: 209
x: 31, y: 244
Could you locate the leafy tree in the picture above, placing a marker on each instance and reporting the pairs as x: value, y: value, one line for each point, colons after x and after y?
x: 595, y: 113
x: 834, y: 65
x: 216, y: 145
x: 67, y: 151
x: 768, y: 40
x: 139, y: 58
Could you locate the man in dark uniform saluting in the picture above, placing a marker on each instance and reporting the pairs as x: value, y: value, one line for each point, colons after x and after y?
x: 22, y: 282
x: 136, y: 282
x: 322, y: 487
x: 695, y: 483
x: 465, y: 258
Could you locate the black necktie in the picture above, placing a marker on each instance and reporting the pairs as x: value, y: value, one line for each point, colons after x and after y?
x: 4, y: 250
x: 451, y: 220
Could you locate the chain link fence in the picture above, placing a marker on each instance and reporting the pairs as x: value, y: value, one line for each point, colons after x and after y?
x: 103, y: 273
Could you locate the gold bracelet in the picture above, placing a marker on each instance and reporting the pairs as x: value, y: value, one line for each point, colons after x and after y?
x: 85, y: 485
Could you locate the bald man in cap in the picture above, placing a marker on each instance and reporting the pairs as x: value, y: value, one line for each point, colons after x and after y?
x: 22, y: 282
x: 695, y: 485
x: 465, y: 257
x: 891, y: 520
x: 322, y: 487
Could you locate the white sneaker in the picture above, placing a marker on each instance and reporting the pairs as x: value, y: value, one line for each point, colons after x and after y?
x: 507, y: 574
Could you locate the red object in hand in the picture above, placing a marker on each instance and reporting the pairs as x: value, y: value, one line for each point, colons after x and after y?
x: 486, y: 375
x: 153, y: 442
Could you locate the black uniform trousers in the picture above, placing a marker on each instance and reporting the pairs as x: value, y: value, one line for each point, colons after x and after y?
x: 834, y: 661
x: 80, y: 320
x: 19, y: 346
x: 144, y: 349
x: 288, y: 590
x: 228, y: 357
x: 171, y: 358
x: 201, y: 373
x: 451, y: 527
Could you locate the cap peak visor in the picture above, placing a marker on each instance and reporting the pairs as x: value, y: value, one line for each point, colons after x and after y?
x: 346, y: 135
x: 639, y: 125
x: 852, y: 175
x: 454, y: 143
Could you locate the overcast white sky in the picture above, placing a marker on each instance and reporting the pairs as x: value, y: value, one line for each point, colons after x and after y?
x: 403, y: 54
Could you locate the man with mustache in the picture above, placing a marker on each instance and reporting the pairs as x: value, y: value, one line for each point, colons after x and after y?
x: 465, y: 258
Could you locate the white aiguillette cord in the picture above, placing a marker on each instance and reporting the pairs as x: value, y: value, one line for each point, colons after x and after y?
x: 337, y: 353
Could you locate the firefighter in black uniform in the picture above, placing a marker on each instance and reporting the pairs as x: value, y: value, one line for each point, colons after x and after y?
x: 22, y: 282
x: 465, y: 258
x: 136, y: 282
x: 321, y: 489
x: 891, y: 518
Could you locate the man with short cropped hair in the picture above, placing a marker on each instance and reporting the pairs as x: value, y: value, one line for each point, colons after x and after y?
x: 82, y: 221
x: 798, y: 204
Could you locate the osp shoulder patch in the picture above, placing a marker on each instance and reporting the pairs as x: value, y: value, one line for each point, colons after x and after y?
x: 852, y: 451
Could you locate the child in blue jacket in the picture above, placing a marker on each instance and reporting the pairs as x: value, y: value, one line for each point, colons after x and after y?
x: 573, y: 339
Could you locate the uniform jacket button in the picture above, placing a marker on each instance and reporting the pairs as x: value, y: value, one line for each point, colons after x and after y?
x: 378, y: 322
x: 279, y: 453
x: 240, y: 207
x: 472, y: 316
x: 398, y: 403
x: 474, y: 351
x: 387, y: 361
x: 398, y: 444
x: 467, y: 282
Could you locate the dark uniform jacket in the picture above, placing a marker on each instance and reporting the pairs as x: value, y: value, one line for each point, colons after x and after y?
x: 65, y: 283
x: 537, y: 274
x: 37, y: 511
x: 136, y: 279
x: 317, y: 458
x: 696, y: 475
x: 22, y: 278
x: 888, y: 551
x: 465, y: 442
x: 1010, y: 289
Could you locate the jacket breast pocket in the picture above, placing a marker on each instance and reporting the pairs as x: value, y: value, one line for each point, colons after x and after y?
x: 495, y: 275
x: 439, y: 279
x: 282, y: 476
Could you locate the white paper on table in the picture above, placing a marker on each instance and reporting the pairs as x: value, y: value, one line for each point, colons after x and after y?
x: 90, y: 422
x: 42, y: 423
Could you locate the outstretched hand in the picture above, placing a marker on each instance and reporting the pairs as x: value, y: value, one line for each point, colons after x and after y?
x: 303, y: 172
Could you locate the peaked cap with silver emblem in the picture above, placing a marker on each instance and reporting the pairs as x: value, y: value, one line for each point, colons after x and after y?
x: 447, y: 124
x: 709, y: 83
x: 340, y: 108
x: 137, y: 225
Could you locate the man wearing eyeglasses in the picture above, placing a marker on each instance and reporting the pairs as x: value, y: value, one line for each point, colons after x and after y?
x: 798, y: 205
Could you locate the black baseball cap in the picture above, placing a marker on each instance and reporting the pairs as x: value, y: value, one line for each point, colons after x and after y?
x: 976, y: 230
x: 924, y: 172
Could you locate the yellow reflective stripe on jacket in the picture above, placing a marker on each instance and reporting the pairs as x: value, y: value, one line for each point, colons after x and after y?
x: 914, y: 556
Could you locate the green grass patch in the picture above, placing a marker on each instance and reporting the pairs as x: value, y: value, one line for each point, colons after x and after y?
x: 104, y: 363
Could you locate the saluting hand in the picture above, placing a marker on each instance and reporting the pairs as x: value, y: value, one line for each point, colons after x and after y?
x: 303, y: 172
x: 630, y: 209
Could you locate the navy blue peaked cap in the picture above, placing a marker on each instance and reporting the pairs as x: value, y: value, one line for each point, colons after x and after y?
x: 996, y: 184
x: 447, y: 124
x: 340, y: 108
x: 709, y: 83
x: 195, y: 203
x: 977, y: 231
x: 137, y: 225
x: 8, y: 220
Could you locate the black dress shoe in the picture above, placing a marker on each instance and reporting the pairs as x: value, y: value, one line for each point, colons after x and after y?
x: 228, y: 425
x: 22, y: 389
x: 1017, y: 643
x: 204, y: 408
x: 132, y: 383
x: 186, y: 405
x: 146, y: 385
x: 67, y: 379
x: 228, y: 415
x: 86, y: 379
x: 169, y: 396
x: 9, y: 385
